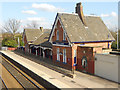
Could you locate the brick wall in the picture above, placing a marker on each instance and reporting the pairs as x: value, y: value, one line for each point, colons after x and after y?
x: 68, y: 65
x: 58, y: 27
x: 95, y: 45
x: 88, y: 54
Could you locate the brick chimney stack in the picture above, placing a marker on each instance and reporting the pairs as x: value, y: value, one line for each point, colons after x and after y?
x: 79, y: 11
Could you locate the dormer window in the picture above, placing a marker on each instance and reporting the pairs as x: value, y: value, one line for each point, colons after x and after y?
x: 57, y: 34
x: 64, y: 36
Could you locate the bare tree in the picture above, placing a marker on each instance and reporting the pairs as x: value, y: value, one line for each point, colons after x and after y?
x: 12, y: 26
x: 33, y: 24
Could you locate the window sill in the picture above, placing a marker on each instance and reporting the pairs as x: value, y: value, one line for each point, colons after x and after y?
x: 57, y: 60
x: 64, y: 63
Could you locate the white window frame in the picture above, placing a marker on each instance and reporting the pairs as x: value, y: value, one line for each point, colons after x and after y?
x: 57, y: 38
x: 58, y: 55
x: 75, y: 55
x: 64, y: 56
x: 64, y: 35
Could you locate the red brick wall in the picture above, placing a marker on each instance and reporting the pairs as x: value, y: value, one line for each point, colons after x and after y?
x: 94, y: 44
x: 12, y: 49
x: 101, y: 44
x: 25, y: 40
x: 26, y: 44
x: 90, y: 59
x: 68, y: 65
x: 59, y: 27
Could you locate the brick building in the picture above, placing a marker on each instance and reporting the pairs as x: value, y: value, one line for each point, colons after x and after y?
x: 75, y: 38
x: 36, y: 42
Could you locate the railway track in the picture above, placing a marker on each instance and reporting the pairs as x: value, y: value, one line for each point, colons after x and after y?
x: 3, y: 84
x: 23, y: 79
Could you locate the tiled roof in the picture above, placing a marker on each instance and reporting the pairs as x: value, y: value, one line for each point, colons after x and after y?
x: 32, y: 34
x: 95, y: 30
x: 41, y: 39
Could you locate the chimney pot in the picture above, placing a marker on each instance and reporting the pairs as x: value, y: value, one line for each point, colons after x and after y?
x: 79, y: 11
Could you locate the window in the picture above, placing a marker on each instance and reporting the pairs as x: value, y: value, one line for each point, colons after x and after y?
x: 75, y: 54
x: 64, y: 56
x: 64, y: 37
x: 84, y: 62
x: 58, y: 56
x: 57, y: 34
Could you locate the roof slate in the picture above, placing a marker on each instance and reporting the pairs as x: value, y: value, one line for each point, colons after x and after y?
x: 96, y: 30
x: 42, y: 38
x: 32, y: 34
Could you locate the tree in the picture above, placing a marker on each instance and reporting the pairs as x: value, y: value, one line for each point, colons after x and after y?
x: 33, y: 24
x: 9, y: 42
x: 12, y: 26
x: 114, y: 34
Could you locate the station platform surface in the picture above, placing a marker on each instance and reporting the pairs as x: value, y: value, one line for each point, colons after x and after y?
x: 81, y: 80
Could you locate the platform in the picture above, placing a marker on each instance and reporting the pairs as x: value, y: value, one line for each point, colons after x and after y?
x: 59, y: 80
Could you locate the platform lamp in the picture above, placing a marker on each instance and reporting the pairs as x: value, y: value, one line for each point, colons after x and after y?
x: 117, y: 38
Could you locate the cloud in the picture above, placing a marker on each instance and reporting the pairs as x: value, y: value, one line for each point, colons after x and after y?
x: 113, y: 14
x: 35, y: 19
x: 47, y: 7
x: 29, y: 12
x: 41, y: 21
x: 111, y: 20
x: 104, y: 15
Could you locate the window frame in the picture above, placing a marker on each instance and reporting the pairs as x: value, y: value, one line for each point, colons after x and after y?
x: 64, y: 36
x: 57, y: 35
x: 64, y: 56
x: 58, y: 55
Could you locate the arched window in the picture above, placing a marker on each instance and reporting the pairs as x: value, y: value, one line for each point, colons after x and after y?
x: 57, y: 34
x: 84, y: 62
x: 64, y: 36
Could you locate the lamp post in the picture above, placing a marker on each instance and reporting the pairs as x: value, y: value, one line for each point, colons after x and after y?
x: 117, y: 40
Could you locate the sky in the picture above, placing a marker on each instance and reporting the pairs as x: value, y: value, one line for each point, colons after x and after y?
x: 44, y: 12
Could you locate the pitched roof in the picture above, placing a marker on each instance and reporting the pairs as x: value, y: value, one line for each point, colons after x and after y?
x: 41, y: 39
x: 96, y: 30
x: 32, y: 34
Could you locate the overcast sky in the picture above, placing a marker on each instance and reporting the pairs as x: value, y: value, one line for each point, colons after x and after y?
x: 44, y: 12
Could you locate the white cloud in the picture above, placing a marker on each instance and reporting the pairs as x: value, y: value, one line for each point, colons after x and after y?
x: 29, y: 12
x: 104, y: 15
x: 35, y: 19
x: 47, y: 7
x: 41, y: 21
x: 113, y: 14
